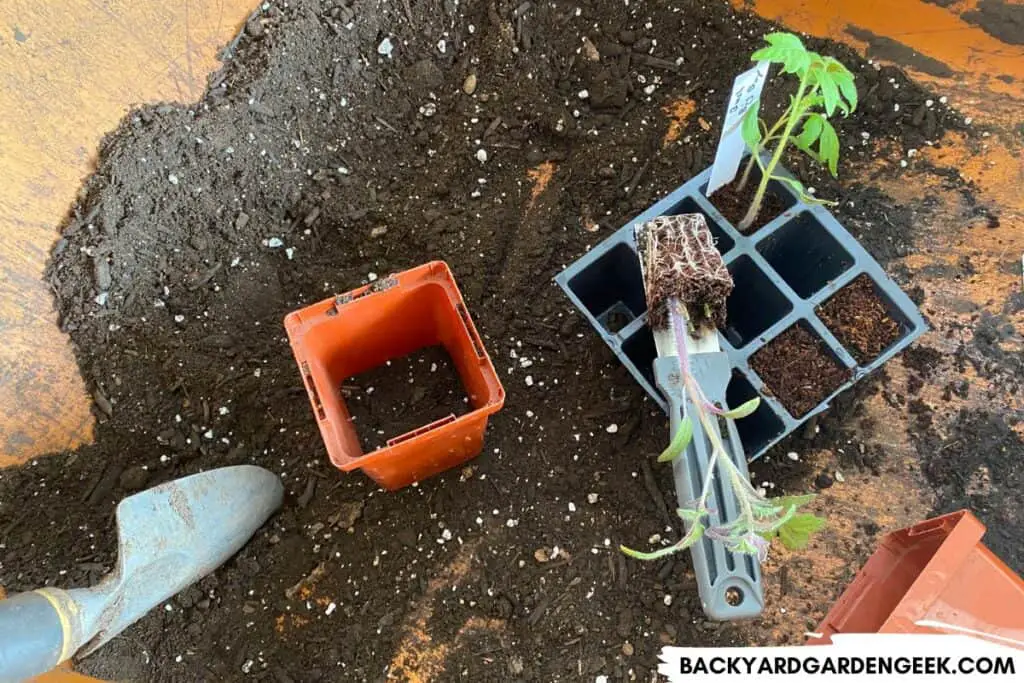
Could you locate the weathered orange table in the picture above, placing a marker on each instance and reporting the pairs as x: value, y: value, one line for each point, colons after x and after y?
x: 68, y: 72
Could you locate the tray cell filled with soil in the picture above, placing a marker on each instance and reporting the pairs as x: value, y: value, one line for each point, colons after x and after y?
x: 612, y: 289
x: 805, y: 254
x: 863, y: 319
x: 799, y: 369
x: 733, y: 203
x: 761, y: 427
x: 403, y: 395
x: 760, y: 306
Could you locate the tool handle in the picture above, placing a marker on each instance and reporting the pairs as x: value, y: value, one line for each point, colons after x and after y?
x: 31, y: 637
x: 729, y: 583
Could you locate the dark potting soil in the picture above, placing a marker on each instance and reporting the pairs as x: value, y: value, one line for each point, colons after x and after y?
x: 734, y: 205
x: 403, y: 395
x: 798, y: 369
x: 858, y: 318
x: 364, y: 163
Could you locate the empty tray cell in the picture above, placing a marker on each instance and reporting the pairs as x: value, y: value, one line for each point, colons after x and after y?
x: 804, y: 253
x: 689, y: 205
x: 616, y: 318
x: 639, y: 348
x: 612, y: 288
x: 754, y: 305
x: 864, y: 319
x: 799, y: 369
x: 758, y: 429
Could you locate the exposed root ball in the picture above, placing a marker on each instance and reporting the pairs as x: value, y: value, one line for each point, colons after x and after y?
x: 679, y: 260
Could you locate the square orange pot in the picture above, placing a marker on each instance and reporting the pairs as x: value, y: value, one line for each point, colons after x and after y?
x: 352, y: 333
x: 934, y: 577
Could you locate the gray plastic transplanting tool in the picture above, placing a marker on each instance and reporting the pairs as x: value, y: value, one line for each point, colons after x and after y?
x: 729, y: 583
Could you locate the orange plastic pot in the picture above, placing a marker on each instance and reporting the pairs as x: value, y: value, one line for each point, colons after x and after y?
x: 349, y: 334
x: 934, y: 577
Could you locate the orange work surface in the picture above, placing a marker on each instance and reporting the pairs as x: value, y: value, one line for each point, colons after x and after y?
x: 70, y: 70
x: 955, y: 46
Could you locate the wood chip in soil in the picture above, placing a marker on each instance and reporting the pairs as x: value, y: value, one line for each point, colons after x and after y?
x: 799, y: 370
x: 859, y: 320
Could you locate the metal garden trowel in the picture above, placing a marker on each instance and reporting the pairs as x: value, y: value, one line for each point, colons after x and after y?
x: 168, y: 538
x: 729, y: 583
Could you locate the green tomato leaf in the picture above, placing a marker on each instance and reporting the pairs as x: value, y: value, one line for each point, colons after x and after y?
x: 829, y: 92
x: 796, y: 533
x: 750, y: 129
x: 810, y: 132
x: 690, y: 516
x: 792, y: 501
x: 785, y: 49
x: 743, y: 410
x: 694, y: 535
x: 679, y: 442
x: 828, y: 147
x: 844, y: 80
x: 638, y: 555
x: 795, y: 184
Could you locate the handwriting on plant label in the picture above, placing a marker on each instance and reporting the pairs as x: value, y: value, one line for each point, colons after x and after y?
x: 746, y: 91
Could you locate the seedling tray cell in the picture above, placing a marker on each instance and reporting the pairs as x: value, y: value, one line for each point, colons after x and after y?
x: 783, y: 272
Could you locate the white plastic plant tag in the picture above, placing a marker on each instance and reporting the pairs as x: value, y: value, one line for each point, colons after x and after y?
x: 746, y: 90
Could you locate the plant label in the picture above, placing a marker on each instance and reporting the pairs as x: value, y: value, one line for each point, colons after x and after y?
x: 746, y: 92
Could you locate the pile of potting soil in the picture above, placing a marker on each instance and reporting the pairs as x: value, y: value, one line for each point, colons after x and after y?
x: 347, y: 139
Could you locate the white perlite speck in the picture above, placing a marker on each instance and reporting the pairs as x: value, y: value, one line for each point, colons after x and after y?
x: 612, y: 428
x: 385, y: 48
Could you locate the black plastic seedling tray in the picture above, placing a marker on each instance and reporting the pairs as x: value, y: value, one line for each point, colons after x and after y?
x: 783, y: 272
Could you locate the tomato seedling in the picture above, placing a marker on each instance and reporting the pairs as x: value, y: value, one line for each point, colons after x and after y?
x: 825, y: 86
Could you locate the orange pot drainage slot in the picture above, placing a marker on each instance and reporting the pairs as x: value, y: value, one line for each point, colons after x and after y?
x: 398, y: 319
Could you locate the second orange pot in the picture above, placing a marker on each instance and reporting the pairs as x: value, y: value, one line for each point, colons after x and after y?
x: 934, y: 577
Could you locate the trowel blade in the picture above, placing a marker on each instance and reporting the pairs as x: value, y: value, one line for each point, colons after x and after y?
x: 171, y: 536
